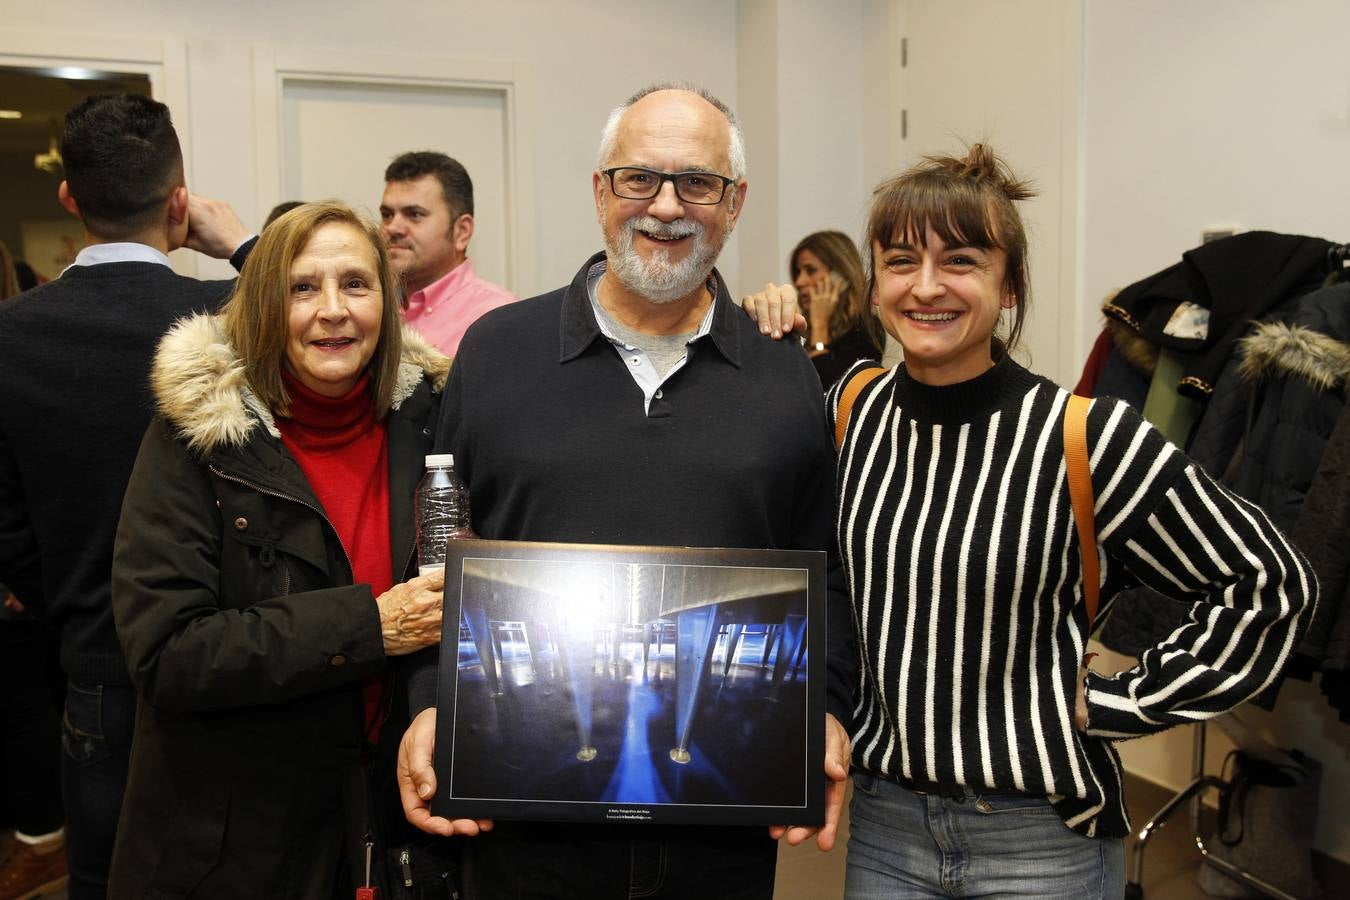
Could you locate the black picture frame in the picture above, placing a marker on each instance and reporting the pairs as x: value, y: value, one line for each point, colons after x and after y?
x: 615, y: 690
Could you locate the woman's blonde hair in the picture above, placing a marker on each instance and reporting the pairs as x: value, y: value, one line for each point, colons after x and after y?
x: 840, y: 255
x: 257, y: 315
x: 967, y: 202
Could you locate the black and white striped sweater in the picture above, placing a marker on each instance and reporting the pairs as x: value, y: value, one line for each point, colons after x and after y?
x: 958, y: 540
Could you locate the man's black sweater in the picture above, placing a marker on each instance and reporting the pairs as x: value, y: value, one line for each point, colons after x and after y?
x: 550, y: 434
x: 74, y: 404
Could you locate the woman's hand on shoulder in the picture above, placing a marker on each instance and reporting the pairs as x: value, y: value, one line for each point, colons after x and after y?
x: 410, y: 613
x: 776, y: 309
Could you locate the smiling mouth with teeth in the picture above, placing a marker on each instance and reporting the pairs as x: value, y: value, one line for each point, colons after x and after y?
x: 932, y: 317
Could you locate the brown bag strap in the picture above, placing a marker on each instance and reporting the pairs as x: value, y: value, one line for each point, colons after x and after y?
x: 850, y: 394
x: 1080, y: 496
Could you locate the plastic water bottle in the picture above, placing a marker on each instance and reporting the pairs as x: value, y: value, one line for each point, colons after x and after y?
x: 442, y: 511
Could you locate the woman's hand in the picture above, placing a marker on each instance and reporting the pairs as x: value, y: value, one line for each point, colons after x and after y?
x: 820, y: 305
x: 1080, y: 708
x: 410, y: 613
x: 776, y: 310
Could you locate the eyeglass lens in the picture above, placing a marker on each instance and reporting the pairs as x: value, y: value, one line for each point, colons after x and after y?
x: 692, y: 187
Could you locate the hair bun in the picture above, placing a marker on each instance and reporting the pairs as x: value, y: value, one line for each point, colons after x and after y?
x: 983, y: 164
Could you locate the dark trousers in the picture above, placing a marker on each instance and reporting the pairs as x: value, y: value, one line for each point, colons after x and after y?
x: 525, y: 862
x: 96, y: 738
x: 30, y: 752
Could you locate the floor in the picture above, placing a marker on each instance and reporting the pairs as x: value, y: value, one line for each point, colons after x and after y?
x: 804, y: 873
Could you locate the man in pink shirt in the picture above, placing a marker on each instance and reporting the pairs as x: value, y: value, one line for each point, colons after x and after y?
x: 427, y: 211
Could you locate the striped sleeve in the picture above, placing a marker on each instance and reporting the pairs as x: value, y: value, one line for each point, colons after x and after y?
x: 1163, y: 518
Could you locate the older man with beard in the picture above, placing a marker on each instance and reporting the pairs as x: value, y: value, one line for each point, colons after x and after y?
x: 638, y: 405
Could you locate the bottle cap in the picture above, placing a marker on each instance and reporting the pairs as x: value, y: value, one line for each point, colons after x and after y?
x: 435, y: 460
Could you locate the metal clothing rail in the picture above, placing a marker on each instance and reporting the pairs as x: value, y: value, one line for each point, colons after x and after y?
x: 1134, y: 883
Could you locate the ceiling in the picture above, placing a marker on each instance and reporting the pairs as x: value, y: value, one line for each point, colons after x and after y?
x: 45, y: 95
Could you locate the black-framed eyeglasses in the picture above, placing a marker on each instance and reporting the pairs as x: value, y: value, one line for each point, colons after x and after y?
x: 637, y: 183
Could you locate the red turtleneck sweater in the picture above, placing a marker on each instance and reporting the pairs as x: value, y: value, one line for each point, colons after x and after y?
x: 343, y: 449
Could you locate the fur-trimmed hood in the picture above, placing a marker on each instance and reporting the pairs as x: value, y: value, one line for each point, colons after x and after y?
x: 1273, y: 350
x: 199, y: 387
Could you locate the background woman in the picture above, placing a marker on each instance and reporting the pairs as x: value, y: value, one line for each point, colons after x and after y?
x: 261, y: 581
x: 828, y: 275
x: 982, y: 751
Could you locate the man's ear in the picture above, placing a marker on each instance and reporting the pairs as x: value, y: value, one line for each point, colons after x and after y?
x: 176, y: 218
x: 737, y: 202
x: 598, y: 187
x: 67, y: 201
x: 461, y: 232
x: 177, y: 206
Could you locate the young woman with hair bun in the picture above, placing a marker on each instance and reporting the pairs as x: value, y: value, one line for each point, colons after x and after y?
x: 983, y: 752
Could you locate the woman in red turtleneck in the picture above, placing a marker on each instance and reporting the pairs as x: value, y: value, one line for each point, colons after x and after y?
x: 264, y: 581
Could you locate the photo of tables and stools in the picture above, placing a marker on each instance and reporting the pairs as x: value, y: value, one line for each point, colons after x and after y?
x: 615, y: 684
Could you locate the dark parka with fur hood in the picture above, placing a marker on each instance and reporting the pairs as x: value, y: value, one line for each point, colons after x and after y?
x: 245, y: 637
x: 1264, y: 434
x: 1277, y: 402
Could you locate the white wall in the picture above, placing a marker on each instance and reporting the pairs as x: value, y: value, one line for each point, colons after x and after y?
x: 1210, y: 112
x: 800, y: 70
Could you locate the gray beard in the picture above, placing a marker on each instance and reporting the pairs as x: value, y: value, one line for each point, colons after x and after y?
x: 658, y: 279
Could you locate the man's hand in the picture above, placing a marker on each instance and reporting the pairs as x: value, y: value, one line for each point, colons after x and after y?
x: 774, y: 308
x: 417, y: 781
x: 838, y: 752
x: 213, y: 227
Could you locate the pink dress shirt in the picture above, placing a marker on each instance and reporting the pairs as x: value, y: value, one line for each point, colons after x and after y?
x: 444, y: 309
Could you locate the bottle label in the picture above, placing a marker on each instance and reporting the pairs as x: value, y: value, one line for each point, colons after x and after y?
x: 430, y: 567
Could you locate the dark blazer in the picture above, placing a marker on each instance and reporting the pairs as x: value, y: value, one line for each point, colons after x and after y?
x: 74, y: 404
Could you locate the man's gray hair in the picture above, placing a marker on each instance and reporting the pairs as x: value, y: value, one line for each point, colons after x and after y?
x: 735, y: 152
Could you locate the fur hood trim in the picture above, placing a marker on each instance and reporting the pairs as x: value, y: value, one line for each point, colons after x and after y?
x: 1275, y: 350
x: 199, y: 387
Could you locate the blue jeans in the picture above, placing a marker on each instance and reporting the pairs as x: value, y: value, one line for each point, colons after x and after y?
x: 906, y: 844
x: 96, y: 740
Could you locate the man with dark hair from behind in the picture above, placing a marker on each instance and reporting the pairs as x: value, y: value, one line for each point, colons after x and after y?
x: 427, y: 214
x: 74, y: 404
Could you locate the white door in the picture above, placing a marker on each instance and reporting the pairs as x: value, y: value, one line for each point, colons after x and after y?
x: 337, y: 137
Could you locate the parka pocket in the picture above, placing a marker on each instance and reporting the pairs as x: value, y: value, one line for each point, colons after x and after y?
x: 192, y: 844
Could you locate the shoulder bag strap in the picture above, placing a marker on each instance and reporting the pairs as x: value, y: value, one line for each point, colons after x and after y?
x: 1080, y: 496
x: 850, y: 394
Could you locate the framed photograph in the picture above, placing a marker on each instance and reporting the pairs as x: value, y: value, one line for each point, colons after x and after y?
x: 597, y: 683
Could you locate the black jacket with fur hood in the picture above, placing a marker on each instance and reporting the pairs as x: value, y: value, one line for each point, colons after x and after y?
x: 1277, y: 402
x: 245, y: 637
x: 1265, y: 434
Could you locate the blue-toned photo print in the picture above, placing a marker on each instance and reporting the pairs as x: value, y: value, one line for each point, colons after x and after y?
x: 636, y: 684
